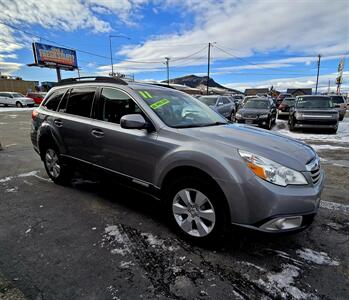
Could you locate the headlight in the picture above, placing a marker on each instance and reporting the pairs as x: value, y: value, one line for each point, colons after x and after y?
x: 298, y: 115
x: 271, y: 171
x: 264, y: 116
x: 238, y: 115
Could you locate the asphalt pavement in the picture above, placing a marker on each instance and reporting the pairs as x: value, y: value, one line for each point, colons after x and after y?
x: 92, y: 240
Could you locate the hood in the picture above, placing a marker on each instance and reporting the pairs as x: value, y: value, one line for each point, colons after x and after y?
x: 253, y: 111
x: 279, y: 148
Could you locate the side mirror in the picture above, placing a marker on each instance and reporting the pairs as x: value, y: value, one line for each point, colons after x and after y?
x: 133, y: 121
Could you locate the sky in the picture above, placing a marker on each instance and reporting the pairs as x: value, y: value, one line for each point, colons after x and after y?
x: 255, y: 43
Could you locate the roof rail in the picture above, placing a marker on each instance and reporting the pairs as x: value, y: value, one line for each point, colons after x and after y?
x: 89, y: 79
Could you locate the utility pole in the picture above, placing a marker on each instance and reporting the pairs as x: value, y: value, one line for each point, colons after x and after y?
x: 318, y: 72
x: 168, y: 69
x: 111, y: 50
x: 208, y: 66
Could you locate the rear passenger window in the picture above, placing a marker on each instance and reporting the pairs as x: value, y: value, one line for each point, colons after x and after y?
x: 80, y: 101
x: 116, y: 104
x: 52, y: 102
x: 225, y: 100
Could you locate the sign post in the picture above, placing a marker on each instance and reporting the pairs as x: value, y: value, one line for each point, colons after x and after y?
x: 47, y: 56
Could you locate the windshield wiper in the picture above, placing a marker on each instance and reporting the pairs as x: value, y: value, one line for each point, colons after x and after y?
x: 200, y: 125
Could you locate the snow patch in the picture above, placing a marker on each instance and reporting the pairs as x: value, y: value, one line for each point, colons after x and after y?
x: 319, y: 258
x: 154, y: 241
x: 126, y: 264
x: 281, y: 284
x: 327, y: 147
x: 341, y: 136
x: 6, y: 179
x: 113, y: 234
x: 12, y: 190
x: 335, y: 206
x: 32, y: 173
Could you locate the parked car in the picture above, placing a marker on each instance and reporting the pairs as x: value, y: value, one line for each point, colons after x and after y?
x: 258, y: 112
x: 340, y: 104
x: 284, y: 107
x: 281, y: 97
x: 209, y: 173
x: 36, y: 96
x: 314, y: 112
x: 222, y: 104
x: 15, y: 99
x: 241, y: 104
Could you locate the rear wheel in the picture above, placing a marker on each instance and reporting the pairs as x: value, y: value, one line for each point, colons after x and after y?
x: 196, y: 209
x: 58, y: 172
x: 19, y: 104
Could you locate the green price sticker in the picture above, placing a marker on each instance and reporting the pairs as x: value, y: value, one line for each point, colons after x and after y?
x: 159, y: 103
x: 145, y: 94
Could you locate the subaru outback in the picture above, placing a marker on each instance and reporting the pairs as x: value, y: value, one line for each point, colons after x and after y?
x: 210, y: 173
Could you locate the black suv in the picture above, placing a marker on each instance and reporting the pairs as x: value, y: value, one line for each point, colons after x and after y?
x: 317, y: 112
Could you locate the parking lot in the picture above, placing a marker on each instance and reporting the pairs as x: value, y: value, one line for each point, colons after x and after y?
x: 91, y: 240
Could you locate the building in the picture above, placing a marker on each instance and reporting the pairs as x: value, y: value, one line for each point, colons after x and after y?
x: 16, y: 84
x: 252, y: 92
x: 299, y: 92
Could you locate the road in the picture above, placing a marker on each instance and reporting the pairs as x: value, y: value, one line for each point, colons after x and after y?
x: 93, y: 241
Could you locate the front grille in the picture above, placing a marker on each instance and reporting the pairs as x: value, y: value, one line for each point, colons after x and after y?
x: 315, y: 175
x: 317, y: 122
x: 315, y: 169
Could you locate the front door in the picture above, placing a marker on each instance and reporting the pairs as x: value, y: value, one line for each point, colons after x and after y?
x: 126, y: 151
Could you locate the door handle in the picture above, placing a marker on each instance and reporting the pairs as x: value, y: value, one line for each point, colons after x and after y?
x: 58, y: 123
x: 97, y: 133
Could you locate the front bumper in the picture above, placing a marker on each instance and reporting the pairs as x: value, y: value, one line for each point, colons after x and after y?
x: 283, y: 113
x: 256, y: 204
x: 253, y: 121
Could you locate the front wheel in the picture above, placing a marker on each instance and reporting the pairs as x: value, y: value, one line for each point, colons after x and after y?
x: 196, y: 209
x: 58, y: 172
x: 292, y: 128
x: 19, y: 104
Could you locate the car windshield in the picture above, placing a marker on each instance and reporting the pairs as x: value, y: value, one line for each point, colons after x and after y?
x: 209, y: 100
x: 180, y: 110
x: 17, y: 95
x: 314, y: 102
x: 337, y: 99
x: 257, y: 104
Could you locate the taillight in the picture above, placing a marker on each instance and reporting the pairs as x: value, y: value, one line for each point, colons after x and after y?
x: 34, y: 114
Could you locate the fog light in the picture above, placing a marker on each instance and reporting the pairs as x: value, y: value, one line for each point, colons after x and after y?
x: 283, y: 223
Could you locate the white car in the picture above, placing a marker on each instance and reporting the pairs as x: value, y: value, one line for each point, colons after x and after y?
x: 15, y: 99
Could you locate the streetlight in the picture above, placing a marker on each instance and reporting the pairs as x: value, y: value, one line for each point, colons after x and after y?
x: 111, y: 51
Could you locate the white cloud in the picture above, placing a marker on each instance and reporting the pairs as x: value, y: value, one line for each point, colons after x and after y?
x: 281, y: 84
x: 9, y: 67
x: 250, y: 26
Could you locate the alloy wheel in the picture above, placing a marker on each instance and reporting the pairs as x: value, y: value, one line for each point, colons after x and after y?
x: 52, y: 163
x: 193, y: 212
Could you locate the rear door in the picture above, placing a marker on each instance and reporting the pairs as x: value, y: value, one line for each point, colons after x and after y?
x: 74, y: 122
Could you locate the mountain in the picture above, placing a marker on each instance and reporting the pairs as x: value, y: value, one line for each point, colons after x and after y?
x: 200, y: 82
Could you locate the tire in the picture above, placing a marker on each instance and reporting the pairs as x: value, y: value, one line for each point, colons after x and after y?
x: 292, y: 128
x: 58, y: 172
x: 195, y: 222
x: 333, y: 131
x: 232, y: 116
x: 341, y: 118
x: 270, y: 124
x: 19, y: 104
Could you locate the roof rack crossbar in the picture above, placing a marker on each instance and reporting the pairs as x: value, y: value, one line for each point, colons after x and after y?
x: 89, y: 79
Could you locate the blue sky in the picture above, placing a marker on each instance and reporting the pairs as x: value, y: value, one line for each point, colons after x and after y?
x: 256, y: 43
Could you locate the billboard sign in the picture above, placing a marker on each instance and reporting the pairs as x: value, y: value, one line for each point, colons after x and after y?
x: 53, y: 56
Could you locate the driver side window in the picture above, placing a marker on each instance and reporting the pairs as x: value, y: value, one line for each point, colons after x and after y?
x: 115, y: 104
